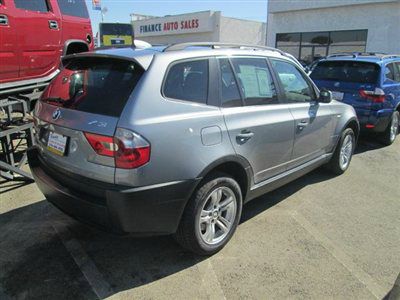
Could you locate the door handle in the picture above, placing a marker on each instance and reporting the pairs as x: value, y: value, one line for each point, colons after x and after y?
x: 53, y: 24
x: 302, y: 125
x: 244, y: 136
x: 3, y: 20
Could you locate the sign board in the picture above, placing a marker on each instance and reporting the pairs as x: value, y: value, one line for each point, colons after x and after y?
x: 179, y: 24
x: 96, y: 4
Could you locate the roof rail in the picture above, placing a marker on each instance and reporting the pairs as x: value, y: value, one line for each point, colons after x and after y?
x: 354, y: 54
x: 215, y: 45
x: 391, y: 56
x: 380, y: 55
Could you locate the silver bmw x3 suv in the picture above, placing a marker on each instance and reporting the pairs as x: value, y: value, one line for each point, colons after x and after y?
x: 174, y: 140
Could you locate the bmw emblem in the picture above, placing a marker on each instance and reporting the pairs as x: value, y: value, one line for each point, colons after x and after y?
x: 56, y: 114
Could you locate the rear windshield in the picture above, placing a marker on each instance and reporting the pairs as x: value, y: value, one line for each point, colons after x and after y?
x: 94, y: 85
x: 346, y: 71
x: 76, y: 8
x: 116, y: 29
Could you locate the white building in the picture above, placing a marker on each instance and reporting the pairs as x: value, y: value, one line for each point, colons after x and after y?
x: 205, y: 26
x: 309, y: 28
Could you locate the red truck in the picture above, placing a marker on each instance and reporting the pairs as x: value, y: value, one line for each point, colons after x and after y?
x: 34, y: 34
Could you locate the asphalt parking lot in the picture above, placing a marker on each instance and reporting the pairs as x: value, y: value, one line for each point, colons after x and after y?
x: 316, y: 238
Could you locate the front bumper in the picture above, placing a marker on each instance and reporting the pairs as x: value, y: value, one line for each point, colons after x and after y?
x: 147, y: 210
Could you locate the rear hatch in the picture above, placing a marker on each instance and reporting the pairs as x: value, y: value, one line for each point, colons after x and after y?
x: 77, y: 115
x: 347, y: 80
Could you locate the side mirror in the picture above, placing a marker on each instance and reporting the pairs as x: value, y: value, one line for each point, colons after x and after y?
x: 325, y: 96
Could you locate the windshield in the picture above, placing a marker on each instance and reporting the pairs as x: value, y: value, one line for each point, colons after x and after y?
x: 116, y: 29
x: 346, y: 71
x: 94, y: 85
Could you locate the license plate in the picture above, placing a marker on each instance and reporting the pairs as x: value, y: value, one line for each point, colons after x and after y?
x: 57, y: 143
x: 337, y: 95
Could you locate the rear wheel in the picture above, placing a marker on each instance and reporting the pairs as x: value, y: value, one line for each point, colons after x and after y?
x: 341, y: 158
x: 211, y: 216
x: 389, y: 136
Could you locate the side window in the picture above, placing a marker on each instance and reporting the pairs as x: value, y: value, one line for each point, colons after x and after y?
x: 230, y: 95
x: 397, y: 73
x: 34, y: 5
x: 295, y: 85
x: 255, y: 81
x: 75, y: 8
x: 389, y: 72
x: 188, y: 81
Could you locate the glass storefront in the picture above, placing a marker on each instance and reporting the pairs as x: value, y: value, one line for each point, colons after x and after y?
x: 309, y: 46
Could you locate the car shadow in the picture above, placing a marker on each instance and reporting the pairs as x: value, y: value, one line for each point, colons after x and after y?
x: 367, y: 143
x: 36, y: 263
x: 266, y: 201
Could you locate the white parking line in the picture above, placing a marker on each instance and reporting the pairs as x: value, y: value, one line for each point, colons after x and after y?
x: 370, y: 283
x: 209, y: 280
x: 96, y: 280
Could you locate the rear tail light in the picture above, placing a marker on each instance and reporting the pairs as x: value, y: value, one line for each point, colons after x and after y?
x: 132, y: 150
x: 129, y: 149
x: 376, y: 96
x: 103, y: 145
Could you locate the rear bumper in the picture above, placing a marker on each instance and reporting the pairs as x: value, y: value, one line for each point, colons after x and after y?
x: 374, y: 120
x: 148, y: 210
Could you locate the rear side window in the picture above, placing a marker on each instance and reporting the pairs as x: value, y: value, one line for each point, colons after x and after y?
x: 346, y: 71
x: 188, y: 81
x: 94, y: 85
x: 255, y: 81
x: 390, y: 72
x: 397, y: 68
x: 76, y: 8
x: 34, y: 5
x: 294, y: 84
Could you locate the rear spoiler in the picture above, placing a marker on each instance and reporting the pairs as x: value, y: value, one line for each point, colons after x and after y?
x: 143, y: 61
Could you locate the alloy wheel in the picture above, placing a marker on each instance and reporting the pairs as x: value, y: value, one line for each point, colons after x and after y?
x: 394, y: 127
x: 346, y: 152
x: 217, y: 215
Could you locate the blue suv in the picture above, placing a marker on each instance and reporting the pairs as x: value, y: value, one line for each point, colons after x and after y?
x: 370, y: 82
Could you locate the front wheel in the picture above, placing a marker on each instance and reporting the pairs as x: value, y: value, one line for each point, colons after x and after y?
x: 211, y: 216
x: 389, y: 136
x: 341, y: 158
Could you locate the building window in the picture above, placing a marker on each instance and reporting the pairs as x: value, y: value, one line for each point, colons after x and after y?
x: 309, y: 46
x: 289, y: 42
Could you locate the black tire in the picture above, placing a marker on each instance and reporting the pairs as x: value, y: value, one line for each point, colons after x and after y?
x: 334, y: 164
x: 188, y: 234
x: 386, y: 137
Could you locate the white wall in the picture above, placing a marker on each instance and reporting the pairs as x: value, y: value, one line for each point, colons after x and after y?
x: 182, y: 38
x: 291, y: 5
x: 381, y: 20
x: 224, y: 30
x: 242, y: 31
